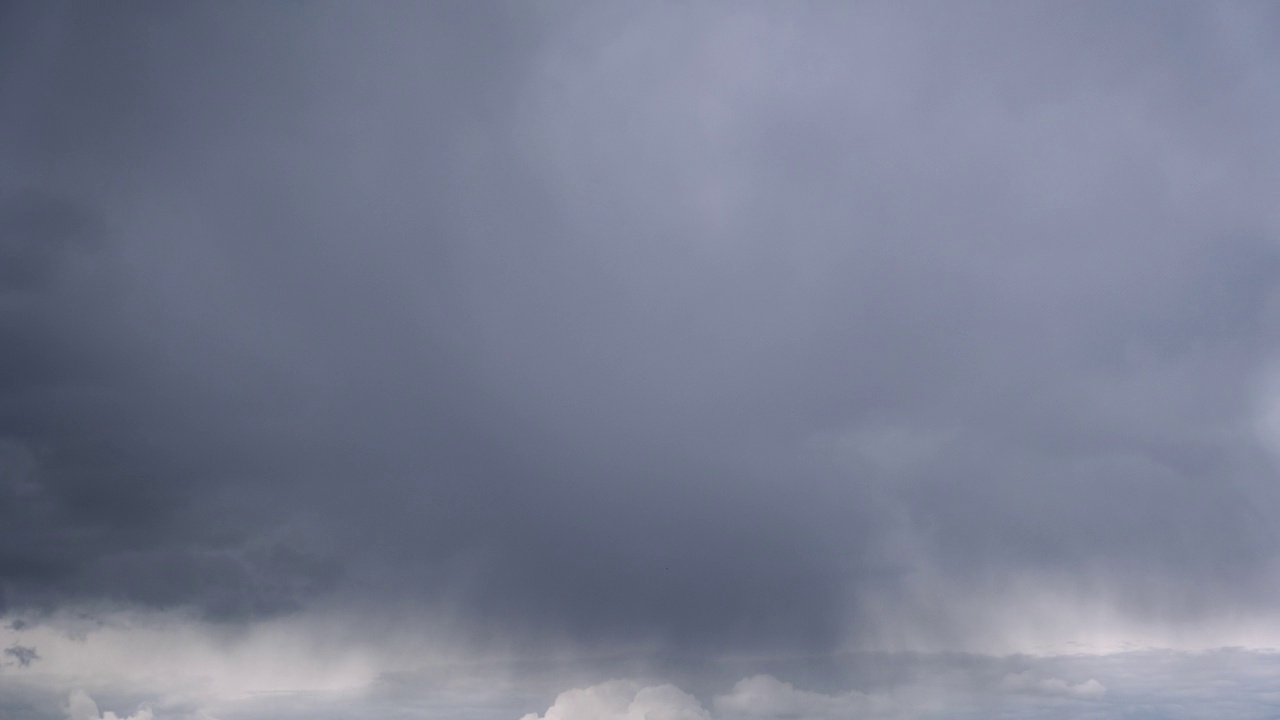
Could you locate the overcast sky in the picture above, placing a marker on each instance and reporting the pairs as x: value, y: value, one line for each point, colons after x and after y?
x: 700, y: 358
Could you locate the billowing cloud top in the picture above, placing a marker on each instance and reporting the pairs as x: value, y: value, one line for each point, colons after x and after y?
x: 730, y: 327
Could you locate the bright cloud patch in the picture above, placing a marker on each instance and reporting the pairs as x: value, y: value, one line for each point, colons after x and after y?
x: 82, y: 707
x: 624, y: 700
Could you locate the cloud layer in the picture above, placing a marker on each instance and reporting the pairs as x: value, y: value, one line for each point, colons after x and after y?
x: 1219, y: 684
x: 734, y: 329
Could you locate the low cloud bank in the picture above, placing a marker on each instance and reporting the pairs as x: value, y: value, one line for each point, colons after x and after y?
x: 762, y: 697
x: 1224, y: 684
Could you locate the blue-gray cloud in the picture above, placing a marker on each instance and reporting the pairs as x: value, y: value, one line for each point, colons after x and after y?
x: 697, y: 325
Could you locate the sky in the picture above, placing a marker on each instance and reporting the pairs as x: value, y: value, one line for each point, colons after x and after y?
x: 568, y: 360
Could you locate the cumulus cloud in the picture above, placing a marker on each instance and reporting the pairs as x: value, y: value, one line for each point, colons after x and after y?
x: 82, y: 707
x: 759, y: 697
x: 624, y: 700
x: 1193, y: 686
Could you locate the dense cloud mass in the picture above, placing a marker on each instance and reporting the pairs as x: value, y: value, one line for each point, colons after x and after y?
x: 705, y: 328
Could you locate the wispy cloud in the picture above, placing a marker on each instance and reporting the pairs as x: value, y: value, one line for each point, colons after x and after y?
x: 22, y: 654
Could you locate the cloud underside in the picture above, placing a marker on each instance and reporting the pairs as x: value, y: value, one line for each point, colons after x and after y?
x: 716, y: 328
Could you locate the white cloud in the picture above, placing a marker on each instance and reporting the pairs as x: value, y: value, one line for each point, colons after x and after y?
x: 82, y: 707
x: 624, y: 700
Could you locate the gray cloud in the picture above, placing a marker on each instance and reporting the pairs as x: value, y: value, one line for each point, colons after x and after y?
x: 22, y: 655
x: 649, y: 324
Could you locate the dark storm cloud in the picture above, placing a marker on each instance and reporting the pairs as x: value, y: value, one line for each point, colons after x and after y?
x: 611, y: 325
